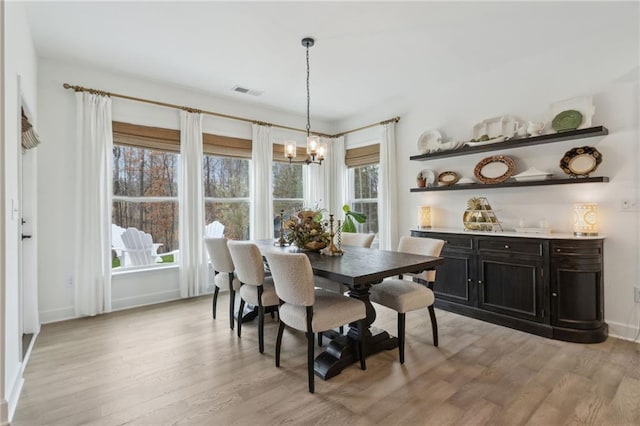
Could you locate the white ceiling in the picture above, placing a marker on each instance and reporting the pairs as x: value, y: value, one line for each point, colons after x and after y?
x: 366, y: 53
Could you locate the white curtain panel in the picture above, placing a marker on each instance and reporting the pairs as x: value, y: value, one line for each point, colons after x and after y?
x: 336, y: 178
x: 317, y: 186
x: 193, y: 268
x: 261, y: 215
x: 92, y: 270
x: 387, y: 189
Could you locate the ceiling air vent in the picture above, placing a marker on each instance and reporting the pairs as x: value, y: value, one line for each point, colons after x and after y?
x: 253, y: 92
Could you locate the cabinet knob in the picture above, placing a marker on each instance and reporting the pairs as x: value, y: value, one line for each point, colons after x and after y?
x: 468, y: 280
x: 506, y: 246
x: 558, y: 250
x: 446, y: 241
x: 479, y: 281
x: 554, y: 294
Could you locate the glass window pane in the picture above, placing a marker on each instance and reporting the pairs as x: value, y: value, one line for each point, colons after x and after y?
x: 365, y: 180
x: 233, y: 215
x: 225, y: 177
x: 287, y: 181
x: 139, y: 172
x: 371, y: 210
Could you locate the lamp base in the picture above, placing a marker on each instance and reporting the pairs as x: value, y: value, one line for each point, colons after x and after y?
x: 585, y: 234
x: 424, y: 227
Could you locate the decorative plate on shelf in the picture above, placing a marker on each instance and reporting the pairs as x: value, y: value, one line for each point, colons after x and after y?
x: 567, y: 120
x: 582, y: 104
x: 580, y: 161
x: 429, y: 175
x: 448, y: 178
x: 494, y: 169
x: 429, y: 141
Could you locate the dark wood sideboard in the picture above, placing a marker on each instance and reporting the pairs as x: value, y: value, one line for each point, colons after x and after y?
x: 549, y: 286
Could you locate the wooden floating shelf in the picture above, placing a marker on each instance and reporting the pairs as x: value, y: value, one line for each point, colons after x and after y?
x: 512, y: 184
x: 516, y: 143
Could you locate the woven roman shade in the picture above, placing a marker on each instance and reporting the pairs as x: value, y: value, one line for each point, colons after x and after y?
x: 363, y: 156
x: 161, y: 139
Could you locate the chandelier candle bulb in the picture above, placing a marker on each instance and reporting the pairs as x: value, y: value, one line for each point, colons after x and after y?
x: 290, y: 150
x: 585, y: 219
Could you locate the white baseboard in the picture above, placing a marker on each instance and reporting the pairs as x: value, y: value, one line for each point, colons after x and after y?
x: 55, y: 315
x: 623, y: 331
x: 14, y: 394
x: 144, y: 299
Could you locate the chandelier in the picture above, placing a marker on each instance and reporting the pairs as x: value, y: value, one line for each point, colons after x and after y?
x: 316, y: 150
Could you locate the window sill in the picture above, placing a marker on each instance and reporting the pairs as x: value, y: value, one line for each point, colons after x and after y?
x: 142, y: 269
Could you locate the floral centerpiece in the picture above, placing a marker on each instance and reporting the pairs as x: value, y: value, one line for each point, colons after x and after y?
x: 307, y: 230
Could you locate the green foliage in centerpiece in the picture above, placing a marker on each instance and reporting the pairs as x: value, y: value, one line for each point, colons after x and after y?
x: 349, y: 216
x: 307, y: 230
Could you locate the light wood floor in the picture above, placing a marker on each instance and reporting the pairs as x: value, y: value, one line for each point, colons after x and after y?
x: 171, y: 364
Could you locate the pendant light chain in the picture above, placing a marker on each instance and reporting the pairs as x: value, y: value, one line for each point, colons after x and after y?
x: 308, y: 96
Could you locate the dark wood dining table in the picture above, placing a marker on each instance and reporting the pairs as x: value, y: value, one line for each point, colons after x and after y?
x: 358, y: 268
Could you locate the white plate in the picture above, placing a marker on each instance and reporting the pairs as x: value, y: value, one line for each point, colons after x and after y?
x: 584, y: 104
x: 465, y: 181
x: 429, y: 141
x: 505, y: 125
x: 531, y: 175
x: 490, y: 141
x: 430, y: 175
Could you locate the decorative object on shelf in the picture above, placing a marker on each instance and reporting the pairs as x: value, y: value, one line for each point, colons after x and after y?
x: 480, y: 217
x: 580, y: 161
x: 307, y: 230
x: 585, y: 219
x: 535, y: 129
x: 485, y: 141
x: 429, y: 141
x: 424, y: 217
x: 492, y: 128
x: 465, y: 181
x: 494, y: 169
x: 567, y: 120
x: 316, y: 150
x: 448, y: 178
x: 582, y: 104
x: 426, y: 178
x: 532, y: 174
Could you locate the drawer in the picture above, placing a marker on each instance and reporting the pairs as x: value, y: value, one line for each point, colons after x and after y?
x: 575, y: 249
x: 511, y: 246
x: 450, y: 240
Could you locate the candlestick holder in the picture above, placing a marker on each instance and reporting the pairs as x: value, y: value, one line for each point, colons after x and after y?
x: 332, y: 249
x: 281, y: 241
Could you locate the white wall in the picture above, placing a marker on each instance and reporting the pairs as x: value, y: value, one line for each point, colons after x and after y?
x: 56, y: 168
x: 20, y: 65
x: 605, y: 66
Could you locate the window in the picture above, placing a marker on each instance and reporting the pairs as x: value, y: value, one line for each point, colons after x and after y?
x: 287, y: 191
x: 145, y: 196
x: 363, y: 194
x: 226, y: 194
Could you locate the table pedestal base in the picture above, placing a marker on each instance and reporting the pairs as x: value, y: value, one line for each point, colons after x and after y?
x: 342, y: 351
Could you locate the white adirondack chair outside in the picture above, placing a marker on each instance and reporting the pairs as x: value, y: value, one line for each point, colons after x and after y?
x: 214, y: 230
x: 118, y: 245
x: 139, y: 247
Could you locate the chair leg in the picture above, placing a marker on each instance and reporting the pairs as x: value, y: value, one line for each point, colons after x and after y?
x: 361, y: 354
x: 260, y: 328
x: 320, y: 339
x: 434, y: 325
x: 240, y: 311
x: 232, y: 303
x: 215, y: 301
x: 401, y: 318
x: 310, y: 372
x: 341, y: 329
x: 279, y: 343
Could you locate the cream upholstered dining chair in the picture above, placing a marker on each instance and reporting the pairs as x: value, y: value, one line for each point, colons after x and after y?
x: 403, y: 296
x: 223, y: 268
x: 355, y: 239
x: 304, y: 308
x: 255, y: 288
